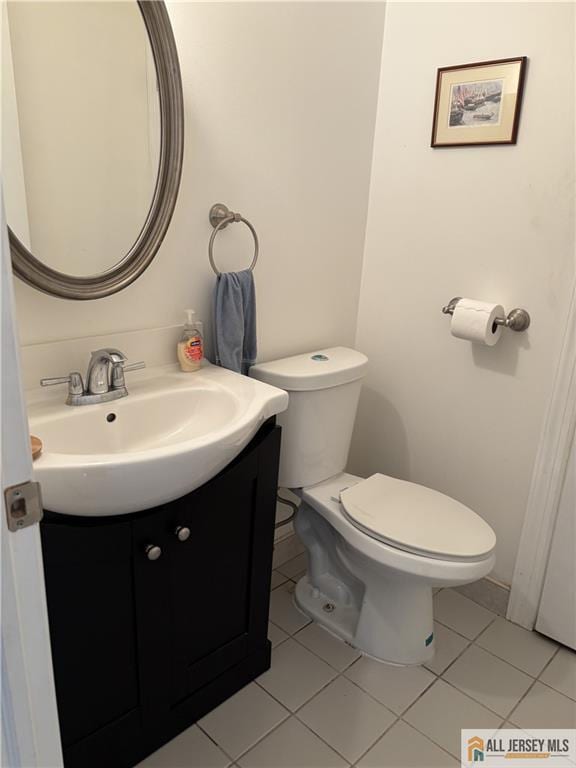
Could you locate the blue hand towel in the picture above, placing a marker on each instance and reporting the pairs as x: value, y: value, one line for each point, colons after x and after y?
x: 235, y: 321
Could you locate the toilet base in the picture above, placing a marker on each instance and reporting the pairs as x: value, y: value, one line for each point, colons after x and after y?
x: 338, y: 619
x: 406, y: 640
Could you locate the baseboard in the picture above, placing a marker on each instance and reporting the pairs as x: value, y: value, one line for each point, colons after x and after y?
x: 488, y: 593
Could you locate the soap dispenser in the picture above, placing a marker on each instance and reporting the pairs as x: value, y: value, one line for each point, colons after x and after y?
x: 191, y: 344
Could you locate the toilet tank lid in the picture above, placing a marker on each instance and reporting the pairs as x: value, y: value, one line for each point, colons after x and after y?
x: 319, y: 369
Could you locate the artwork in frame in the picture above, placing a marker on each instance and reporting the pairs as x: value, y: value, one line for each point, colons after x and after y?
x: 478, y: 104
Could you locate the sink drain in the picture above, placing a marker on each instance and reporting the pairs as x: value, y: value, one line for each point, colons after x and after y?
x: 328, y: 607
x: 111, y: 417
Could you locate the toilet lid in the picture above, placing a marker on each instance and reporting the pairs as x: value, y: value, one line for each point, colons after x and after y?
x: 417, y: 519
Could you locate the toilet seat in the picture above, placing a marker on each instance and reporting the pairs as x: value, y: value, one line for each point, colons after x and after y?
x: 416, y: 519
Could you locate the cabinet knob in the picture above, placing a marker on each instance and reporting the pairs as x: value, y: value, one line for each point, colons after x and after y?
x: 152, y: 551
x: 182, y: 533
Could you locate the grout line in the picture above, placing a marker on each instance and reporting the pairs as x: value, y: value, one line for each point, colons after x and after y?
x: 426, y: 735
x: 537, y: 680
x: 495, y: 656
x: 464, y: 650
x: 213, y: 740
x: 296, y: 712
x: 492, y: 653
x: 336, y: 669
x: 555, y: 690
x: 518, y: 669
x: 550, y: 660
x: 281, y: 630
x: 485, y: 706
x: 515, y: 707
x: 299, y: 707
x: 455, y: 659
x: 373, y: 744
x: 332, y: 747
x: 293, y: 715
x: 320, y: 690
x: 260, y: 738
x: 476, y: 636
x: 269, y: 733
x: 446, y: 751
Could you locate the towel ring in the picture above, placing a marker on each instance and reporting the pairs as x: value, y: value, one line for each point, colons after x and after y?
x: 220, y: 216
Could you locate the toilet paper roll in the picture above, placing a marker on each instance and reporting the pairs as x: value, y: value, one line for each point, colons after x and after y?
x: 474, y: 320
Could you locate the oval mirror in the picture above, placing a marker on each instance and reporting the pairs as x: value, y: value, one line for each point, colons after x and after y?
x: 93, y: 141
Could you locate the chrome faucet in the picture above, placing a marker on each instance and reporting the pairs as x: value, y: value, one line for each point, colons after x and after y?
x: 104, y: 378
x: 98, y: 376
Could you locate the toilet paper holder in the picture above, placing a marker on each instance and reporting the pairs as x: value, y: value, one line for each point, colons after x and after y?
x: 517, y: 319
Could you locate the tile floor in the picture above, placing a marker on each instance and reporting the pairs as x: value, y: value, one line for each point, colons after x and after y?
x: 323, y: 705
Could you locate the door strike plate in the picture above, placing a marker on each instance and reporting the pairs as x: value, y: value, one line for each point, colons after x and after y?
x: 23, y: 505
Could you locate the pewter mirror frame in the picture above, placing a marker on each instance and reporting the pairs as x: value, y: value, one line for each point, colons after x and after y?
x: 37, y: 274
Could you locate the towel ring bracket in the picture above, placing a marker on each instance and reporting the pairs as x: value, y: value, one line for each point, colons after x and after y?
x: 220, y: 216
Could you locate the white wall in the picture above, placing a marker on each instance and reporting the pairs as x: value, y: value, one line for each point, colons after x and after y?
x: 436, y: 410
x: 280, y: 102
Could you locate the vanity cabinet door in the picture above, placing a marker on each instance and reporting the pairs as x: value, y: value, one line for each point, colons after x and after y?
x: 209, y: 578
x: 202, y: 606
x: 90, y: 596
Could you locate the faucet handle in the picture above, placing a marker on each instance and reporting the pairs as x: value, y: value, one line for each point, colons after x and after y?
x: 74, y: 381
x: 134, y: 366
x: 118, y: 370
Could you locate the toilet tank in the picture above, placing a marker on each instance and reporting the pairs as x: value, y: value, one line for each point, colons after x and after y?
x: 324, y: 388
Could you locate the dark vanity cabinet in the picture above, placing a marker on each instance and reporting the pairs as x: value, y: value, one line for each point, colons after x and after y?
x: 157, y: 617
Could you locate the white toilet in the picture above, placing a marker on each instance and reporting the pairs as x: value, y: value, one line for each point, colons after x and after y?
x: 376, y: 547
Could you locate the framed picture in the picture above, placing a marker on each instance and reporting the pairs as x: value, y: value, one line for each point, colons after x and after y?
x: 478, y: 104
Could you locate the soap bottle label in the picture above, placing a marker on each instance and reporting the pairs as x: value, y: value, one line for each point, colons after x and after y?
x: 193, y: 349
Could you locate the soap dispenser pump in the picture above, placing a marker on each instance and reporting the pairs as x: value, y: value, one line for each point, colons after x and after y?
x: 191, y: 344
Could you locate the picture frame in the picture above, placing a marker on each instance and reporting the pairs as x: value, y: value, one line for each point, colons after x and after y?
x: 478, y: 104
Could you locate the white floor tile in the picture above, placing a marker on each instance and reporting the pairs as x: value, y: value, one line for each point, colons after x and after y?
x: 460, y: 614
x: 544, y: 708
x: 526, y: 650
x: 296, y: 675
x: 491, y: 681
x: 346, y: 718
x: 296, y: 567
x: 488, y: 594
x: 283, y: 612
x: 334, y: 651
x: 403, y: 747
x: 395, y: 687
x: 276, y: 635
x: 442, y: 711
x: 449, y: 646
x: 242, y: 720
x: 191, y: 749
x: 291, y: 745
x: 561, y: 673
x: 286, y: 549
x: 277, y: 579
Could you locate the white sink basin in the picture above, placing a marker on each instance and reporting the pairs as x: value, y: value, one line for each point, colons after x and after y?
x: 171, y: 434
